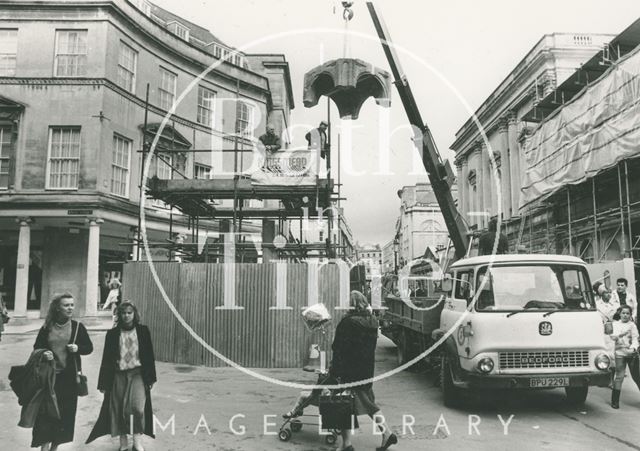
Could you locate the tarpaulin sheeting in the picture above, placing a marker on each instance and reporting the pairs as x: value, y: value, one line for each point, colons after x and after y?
x: 288, y: 168
x: 593, y: 132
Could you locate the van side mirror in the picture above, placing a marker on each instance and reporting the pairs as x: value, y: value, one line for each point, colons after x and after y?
x: 447, y: 284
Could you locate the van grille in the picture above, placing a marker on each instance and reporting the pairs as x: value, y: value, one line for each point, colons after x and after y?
x: 544, y: 359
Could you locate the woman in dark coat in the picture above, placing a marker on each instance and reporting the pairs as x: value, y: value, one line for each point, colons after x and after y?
x: 65, y: 341
x: 354, y: 349
x: 127, y: 374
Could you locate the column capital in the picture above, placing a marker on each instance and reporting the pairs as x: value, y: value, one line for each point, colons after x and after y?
x: 511, y: 117
x: 94, y: 221
x: 24, y: 220
x: 503, y: 124
x: 479, y: 145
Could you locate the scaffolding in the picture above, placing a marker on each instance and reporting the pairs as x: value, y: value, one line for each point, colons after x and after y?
x: 198, y: 202
x: 596, y: 220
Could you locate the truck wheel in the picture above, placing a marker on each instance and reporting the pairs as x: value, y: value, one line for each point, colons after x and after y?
x: 451, y: 394
x: 576, y: 395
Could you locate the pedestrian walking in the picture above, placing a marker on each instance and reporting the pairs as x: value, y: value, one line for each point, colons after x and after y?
x: 113, y: 298
x: 64, y: 340
x: 127, y: 374
x: 353, y: 360
x: 4, y: 315
x: 625, y: 336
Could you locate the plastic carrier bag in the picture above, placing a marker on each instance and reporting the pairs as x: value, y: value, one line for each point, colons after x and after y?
x: 315, y: 316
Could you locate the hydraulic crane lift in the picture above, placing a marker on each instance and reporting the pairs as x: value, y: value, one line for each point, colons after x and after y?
x: 439, y: 171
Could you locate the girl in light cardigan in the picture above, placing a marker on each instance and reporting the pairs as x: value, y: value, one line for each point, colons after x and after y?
x: 625, y: 336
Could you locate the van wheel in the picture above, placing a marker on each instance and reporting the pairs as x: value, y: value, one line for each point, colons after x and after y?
x: 576, y: 395
x: 451, y: 395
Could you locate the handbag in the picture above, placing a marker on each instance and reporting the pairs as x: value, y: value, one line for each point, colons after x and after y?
x: 82, y: 386
x: 337, y: 411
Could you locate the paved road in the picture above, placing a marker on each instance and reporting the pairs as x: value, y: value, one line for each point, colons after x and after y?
x: 541, y: 420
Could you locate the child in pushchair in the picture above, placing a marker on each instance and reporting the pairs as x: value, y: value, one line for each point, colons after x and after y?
x: 292, y: 421
x: 315, y: 318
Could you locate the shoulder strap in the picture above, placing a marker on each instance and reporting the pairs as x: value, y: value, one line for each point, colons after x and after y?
x: 76, y: 356
x: 75, y: 335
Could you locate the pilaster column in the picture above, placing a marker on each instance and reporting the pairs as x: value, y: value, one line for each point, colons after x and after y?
x: 459, y: 183
x: 22, y: 267
x: 484, y: 185
x: 514, y: 153
x: 505, y: 169
x: 478, y: 200
x: 92, y: 294
x: 465, y: 188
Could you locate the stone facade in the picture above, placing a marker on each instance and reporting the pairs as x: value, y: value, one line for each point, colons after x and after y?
x: 74, y: 107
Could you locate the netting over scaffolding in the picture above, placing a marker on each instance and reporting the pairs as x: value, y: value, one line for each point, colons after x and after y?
x: 593, y: 132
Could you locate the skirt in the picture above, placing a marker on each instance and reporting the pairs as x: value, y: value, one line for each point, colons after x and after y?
x: 126, y: 403
x: 365, y: 402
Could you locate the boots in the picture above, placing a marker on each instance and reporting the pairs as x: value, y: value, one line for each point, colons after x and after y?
x: 615, y: 398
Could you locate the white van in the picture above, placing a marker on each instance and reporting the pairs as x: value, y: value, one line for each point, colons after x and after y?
x: 530, y: 322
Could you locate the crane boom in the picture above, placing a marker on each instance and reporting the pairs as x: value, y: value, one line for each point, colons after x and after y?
x: 439, y: 172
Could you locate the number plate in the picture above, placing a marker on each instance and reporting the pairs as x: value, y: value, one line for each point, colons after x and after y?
x: 541, y: 382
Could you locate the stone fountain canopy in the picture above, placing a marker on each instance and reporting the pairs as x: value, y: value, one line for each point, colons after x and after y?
x: 349, y: 83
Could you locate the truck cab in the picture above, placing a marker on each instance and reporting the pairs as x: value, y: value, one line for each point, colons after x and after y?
x: 521, y: 322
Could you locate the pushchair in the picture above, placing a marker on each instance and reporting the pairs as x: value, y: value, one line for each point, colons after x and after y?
x: 315, y: 318
x: 297, y: 419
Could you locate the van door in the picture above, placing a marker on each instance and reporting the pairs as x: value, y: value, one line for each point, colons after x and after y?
x: 460, y: 296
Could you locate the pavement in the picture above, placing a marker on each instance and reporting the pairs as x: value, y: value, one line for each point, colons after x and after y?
x: 225, y: 409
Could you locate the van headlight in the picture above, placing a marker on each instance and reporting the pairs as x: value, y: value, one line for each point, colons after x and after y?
x: 485, y: 365
x: 603, y: 362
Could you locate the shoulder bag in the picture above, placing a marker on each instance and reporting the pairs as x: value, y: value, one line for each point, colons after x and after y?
x: 81, y: 380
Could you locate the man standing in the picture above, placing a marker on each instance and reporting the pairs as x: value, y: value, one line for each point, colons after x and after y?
x: 270, y: 140
x: 317, y: 139
x: 624, y: 298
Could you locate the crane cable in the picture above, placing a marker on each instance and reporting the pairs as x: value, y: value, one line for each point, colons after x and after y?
x: 347, y: 15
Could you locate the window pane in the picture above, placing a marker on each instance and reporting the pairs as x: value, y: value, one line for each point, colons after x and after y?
x: 8, y: 51
x: 64, y: 157
x: 71, y: 53
x: 127, y: 67
x: 120, y: 165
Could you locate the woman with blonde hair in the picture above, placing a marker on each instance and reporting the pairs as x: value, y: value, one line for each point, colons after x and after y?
x: 354, y: 347
x: 65, y: 341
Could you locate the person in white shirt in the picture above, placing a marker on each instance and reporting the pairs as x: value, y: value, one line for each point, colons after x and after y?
x: 625, y: 336
x: 622, y: 297
x: 605, y: 303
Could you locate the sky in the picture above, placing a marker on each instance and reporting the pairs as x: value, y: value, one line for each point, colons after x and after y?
x: 454, y: 54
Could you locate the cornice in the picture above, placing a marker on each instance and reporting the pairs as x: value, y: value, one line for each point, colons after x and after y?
x: 142, y: 24
x: 487, y: 109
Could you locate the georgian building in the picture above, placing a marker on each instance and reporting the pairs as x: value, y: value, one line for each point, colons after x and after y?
x: 85, y: 87
x: 420, y: 225
x: 490, y: 179
x: 371, y: 256
x: 566, y: 152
